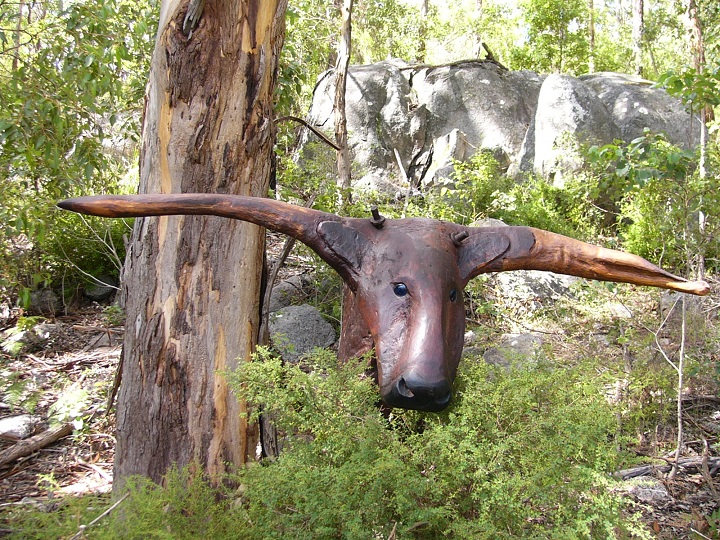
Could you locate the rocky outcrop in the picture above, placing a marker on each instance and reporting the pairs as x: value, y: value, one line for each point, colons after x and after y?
x: 429, y: 115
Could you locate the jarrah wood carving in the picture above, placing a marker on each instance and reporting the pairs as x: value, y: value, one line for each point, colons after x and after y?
x: 404, y: 278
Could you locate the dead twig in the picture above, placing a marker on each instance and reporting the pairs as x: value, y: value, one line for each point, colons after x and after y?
x: 308, y: 126
x: 83, y: 528
x: 694, y: 463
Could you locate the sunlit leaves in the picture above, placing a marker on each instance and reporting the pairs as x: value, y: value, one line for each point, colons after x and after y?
x: 71, y: 86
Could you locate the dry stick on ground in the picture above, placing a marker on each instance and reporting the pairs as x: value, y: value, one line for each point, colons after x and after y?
x: 33, y: 444
x: 83, y: 528
x: 695, y: 463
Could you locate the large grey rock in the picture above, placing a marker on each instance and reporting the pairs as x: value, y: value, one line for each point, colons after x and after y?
x: 415, y: 110
x: 432, y: 115
x: 492, y: 107
x: 568, y: 112
x: 532, y: 285
x: 380, y: 118
x: 297, y: 330
x: 635, y: 104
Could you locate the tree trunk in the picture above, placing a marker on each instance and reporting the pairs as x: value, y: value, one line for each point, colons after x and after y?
x: 192, y: 284
x: 591, y: 36
x: 697, y: 42
x: 343, y: 60
x: 421, y: 55
x: 478, y: 46
x: 637, y: 35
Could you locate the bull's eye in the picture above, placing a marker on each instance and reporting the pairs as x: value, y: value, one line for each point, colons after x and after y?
x: 400, y: 289
x: 453, y: 295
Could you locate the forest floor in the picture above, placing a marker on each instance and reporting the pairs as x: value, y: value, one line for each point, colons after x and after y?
x: 70, y: 374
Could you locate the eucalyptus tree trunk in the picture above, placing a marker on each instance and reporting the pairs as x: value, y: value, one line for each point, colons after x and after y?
x: 697, y: 45
x: 591, y: 36
x: 638, y: 27
x: 192, y: 284
x: 343, y: 60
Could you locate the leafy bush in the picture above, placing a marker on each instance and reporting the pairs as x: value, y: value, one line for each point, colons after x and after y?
x: 478, y: 189
x: 661, y: 202
x: 520, y: 453
x: 69, y: 123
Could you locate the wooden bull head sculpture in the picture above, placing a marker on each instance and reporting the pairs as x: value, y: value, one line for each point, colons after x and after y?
x: 404, y: 278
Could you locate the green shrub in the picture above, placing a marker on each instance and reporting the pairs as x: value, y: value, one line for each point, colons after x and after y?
x: 520, y: 453
x: 478, y: 189
x: 665, y: 209
x: 523, y: 452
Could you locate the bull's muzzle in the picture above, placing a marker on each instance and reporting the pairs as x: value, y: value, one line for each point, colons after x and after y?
x: 412, y: 391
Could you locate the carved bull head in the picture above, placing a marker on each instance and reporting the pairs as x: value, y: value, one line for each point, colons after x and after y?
x: 404, y: 278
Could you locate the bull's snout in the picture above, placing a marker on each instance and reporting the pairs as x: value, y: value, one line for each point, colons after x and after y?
x: 412, y: 391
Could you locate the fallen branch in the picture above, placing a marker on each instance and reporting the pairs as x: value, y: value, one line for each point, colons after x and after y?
x: 33, y: 444
x: 684, y: 463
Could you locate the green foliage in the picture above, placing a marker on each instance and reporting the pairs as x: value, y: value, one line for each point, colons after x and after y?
x: 311, y: 30
x: 113, y: 315
x: 71, y: 89
x: 695, y: 89
x: 387, y: 29
x: 71, y: 406
x: 60, y: 519
x: 477, y: 189
x: 521, y: 453
x: 557, y: 36
x: 662, y: 204
x: 471, y: 191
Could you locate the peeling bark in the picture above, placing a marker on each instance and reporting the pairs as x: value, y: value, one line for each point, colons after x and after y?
x: 192, y: 283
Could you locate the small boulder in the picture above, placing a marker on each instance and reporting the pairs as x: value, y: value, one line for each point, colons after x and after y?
x: 103, y: 288
x: 297, y: 330
x: 647, y: 490
x: 288, y: 292
x: 44, y: 302
x: 513, y: 348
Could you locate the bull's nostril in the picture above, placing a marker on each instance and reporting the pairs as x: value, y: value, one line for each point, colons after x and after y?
x: 403, y: 389
x: 443, y: 400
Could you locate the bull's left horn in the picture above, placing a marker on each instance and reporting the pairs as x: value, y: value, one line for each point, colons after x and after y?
x: 301, y: 223
x: 535, y: 249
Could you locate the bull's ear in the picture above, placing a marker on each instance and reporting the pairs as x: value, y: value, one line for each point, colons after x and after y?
x: 345, y: 249
x: 535, y: 249
x: 480, y: 249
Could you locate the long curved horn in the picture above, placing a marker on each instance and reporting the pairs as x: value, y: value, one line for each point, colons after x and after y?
x: 535, y: 249
x: 304, y: 224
